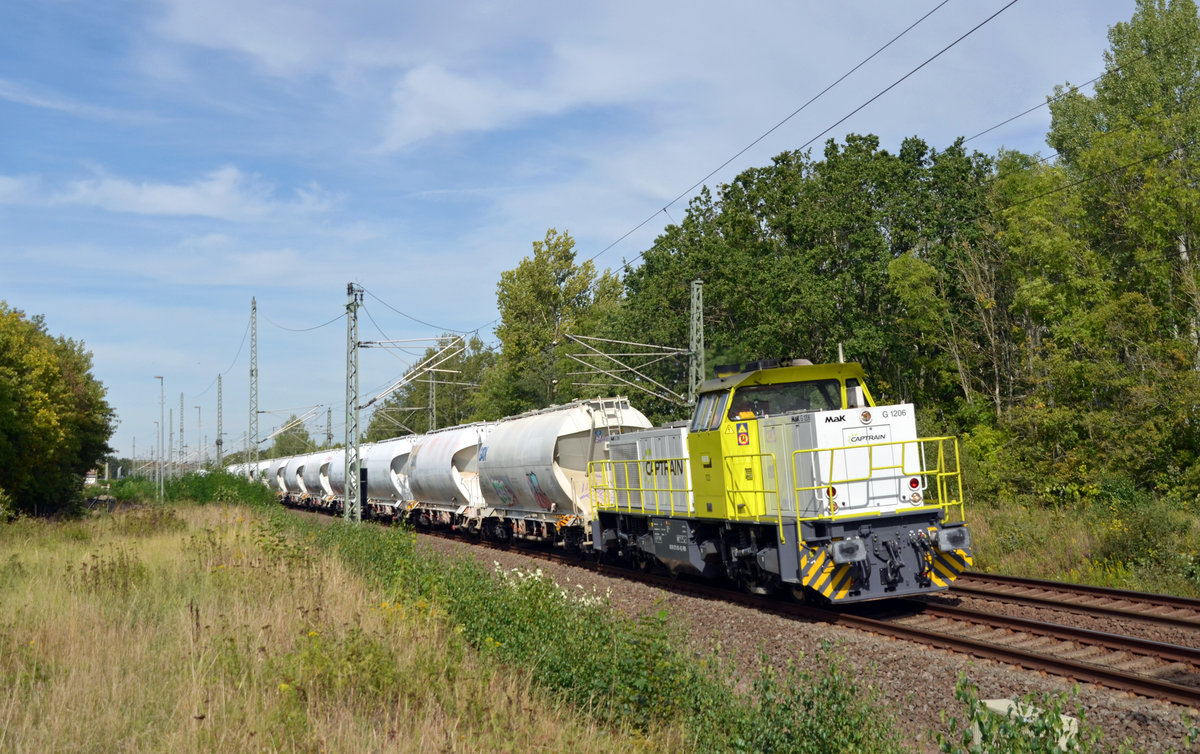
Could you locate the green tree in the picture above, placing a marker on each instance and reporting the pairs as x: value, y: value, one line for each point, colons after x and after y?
x: 795, y: 257
x: 54, y: 420
x: 1135, y: 143
x: 293, y: 441
x: 544, y: 298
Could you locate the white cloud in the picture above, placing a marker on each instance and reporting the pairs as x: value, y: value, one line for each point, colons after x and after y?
x: 16, y: 189
x: 21, y: 95
x: 226, y: 193
x: 430, y: 100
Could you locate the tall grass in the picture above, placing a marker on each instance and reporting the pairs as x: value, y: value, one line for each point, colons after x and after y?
x: 194, y: 629
x: 630, y: 673
x: 1113, y: 536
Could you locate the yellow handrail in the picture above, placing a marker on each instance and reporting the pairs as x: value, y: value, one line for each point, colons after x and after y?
x: 946, y: 474
x: 603, y: 476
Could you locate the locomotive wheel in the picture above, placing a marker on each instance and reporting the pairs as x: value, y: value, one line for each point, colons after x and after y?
x: 764, y: 584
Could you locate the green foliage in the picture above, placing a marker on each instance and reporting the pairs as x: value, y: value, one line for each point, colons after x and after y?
x: 1144, y: 534
x: 815, y: 712
x: 291, y: 442
x: 628, y: 672
x: 542, y: 300
x: 8, y: 510
x: 134, y: 488
x: 354, y: 667
x: 54, y: 420
x: 208, y: 487
x: 1035, y: 725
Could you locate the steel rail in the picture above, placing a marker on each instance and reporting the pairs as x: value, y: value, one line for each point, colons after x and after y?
x: 1149, y: 598
x: 1117, y: 642
x: 1066, y: 590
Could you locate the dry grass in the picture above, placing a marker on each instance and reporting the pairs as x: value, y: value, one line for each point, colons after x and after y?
x: 194, y: 629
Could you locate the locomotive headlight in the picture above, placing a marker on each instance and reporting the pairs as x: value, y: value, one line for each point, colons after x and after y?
x: 954, y: 538
x: 849, y: 550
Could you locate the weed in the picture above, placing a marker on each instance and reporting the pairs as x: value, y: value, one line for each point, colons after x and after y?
x: 148, y: 522
x: 22, y: 663
x: 116, y: 570
x: 813, y: 712
x: 1035, y: 724
x: 352, y: 666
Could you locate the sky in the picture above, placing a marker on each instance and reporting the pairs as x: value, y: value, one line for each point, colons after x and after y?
x: 162, y: 162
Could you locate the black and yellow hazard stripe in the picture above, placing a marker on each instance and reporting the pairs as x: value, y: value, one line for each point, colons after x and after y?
x: 822, y: 575
x: 948, y: 565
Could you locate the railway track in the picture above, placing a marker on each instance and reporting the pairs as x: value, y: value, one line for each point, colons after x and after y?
x: 1114, y: 659
x: 1102, y: 602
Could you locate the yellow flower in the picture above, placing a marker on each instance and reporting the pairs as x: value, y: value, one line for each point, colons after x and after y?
x: 312, y: 634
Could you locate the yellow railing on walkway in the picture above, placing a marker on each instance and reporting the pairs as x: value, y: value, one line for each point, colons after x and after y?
x: 752, y: 480
x: 933, y: 458
x: 618, y: 486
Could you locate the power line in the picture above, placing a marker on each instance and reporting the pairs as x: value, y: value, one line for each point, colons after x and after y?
x: 421, y: 321
x: 1074, y: 89
x: 304, y: 329
x: 841, y: 120
x: 241, y: 345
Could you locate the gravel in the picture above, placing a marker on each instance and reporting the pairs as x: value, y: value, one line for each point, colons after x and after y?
x: 915, y: 683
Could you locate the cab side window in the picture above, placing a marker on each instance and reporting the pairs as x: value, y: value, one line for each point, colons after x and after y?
x: 854, y: 394
x: 708, y: 411
x: 718, y: 410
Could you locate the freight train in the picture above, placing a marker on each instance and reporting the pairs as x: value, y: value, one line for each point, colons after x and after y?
x: 788, y: 478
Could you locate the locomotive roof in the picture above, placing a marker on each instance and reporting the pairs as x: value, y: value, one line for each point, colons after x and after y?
x: 796, y: 371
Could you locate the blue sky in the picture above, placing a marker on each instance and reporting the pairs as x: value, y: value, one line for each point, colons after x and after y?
x: 163, y: 161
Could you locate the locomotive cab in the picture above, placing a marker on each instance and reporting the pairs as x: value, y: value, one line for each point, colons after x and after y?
x: 732, y: 472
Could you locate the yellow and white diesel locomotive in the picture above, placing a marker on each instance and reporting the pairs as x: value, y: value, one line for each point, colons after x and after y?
x: 788, y: 477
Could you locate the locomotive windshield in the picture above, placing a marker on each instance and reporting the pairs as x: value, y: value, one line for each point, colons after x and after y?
x: 756, y: 401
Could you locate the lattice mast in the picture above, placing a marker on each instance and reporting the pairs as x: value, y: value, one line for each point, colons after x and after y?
x: 696, y: 341
x: 252, y: 432
x: 353, y: 510
x: 220, y: 427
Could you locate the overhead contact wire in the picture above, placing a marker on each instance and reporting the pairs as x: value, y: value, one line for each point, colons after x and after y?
x: 232, y: 364
x: 302, y: 329
x: 841, y: 120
